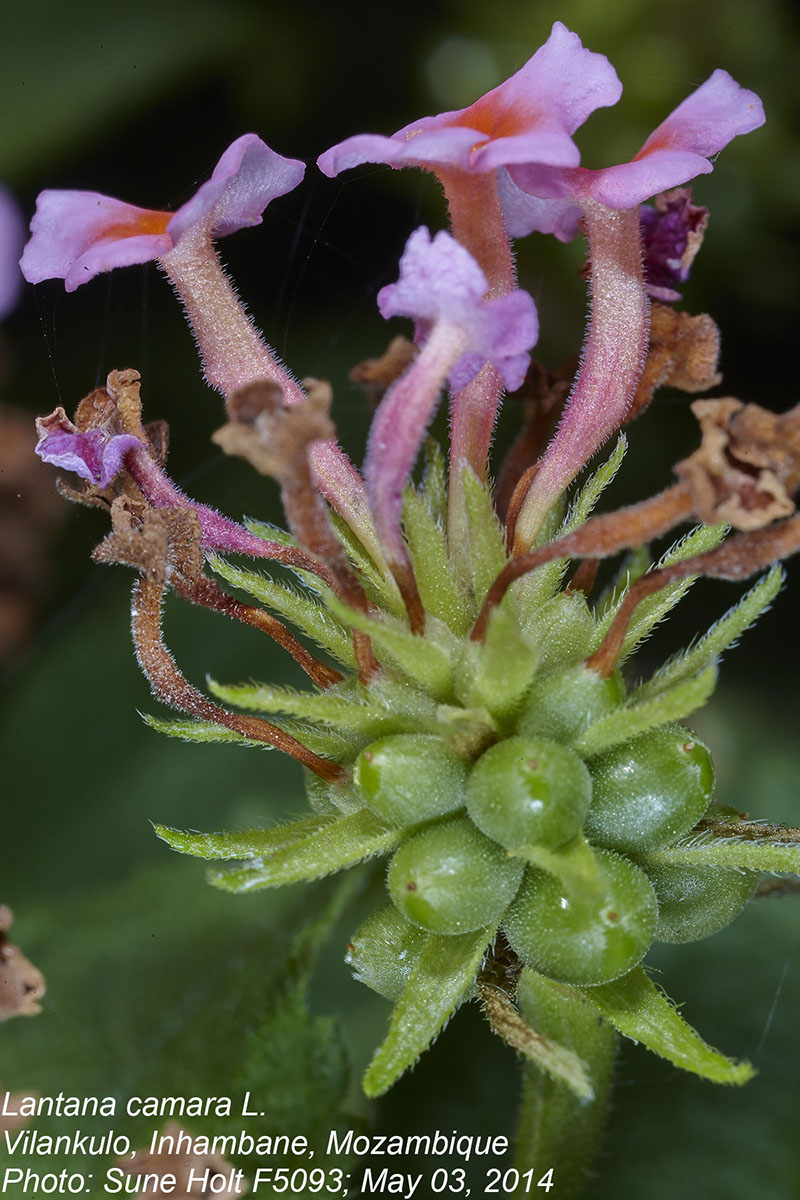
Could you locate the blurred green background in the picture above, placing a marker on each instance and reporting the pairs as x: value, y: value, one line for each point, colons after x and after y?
x: 157, y: 983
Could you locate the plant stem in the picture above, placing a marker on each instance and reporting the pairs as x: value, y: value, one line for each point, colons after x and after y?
x: 476, y: 221
x: 612, y: 364
x: 557, y: 1129
x: 233, y: 354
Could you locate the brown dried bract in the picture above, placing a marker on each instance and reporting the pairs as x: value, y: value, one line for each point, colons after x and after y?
x: 272, y: 436
x: 683, y: 353
x: 183, y: 1174
x: 22, y: 984
x: 376, y: 375
x: 162, y: 543
x: 748, y: 466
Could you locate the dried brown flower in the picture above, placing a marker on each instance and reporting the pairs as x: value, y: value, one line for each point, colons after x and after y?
x: 22, y: 984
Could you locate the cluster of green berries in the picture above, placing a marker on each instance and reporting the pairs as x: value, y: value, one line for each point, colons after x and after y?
x: 524, y: 799
x: 533, y: 837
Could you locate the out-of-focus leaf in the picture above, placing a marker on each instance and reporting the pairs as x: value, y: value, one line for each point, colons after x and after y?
x: 69, y: 70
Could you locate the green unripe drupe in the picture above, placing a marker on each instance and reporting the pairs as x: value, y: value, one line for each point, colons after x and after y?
x: 648, y: 792
x: 582, y: 934
x: 449, y: 878
x: 529, y: 791
x: 694, y: 902
x: 410, y: 777
x: 564, y: 703
x: 384, y: 951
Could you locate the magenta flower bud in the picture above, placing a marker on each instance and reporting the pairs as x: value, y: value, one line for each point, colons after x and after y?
x: 77, y: 235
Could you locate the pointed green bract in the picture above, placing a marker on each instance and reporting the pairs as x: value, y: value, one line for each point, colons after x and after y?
x: 438, y: 588
x: 488, y: 554
x: 421, y: 659
x: 433, y: 490
x: 338, y: 707
x: 628, y: 722
x: 304, y: 612
x: 719, y: 638
x: 376, y: 578
x: 705, y: 850
x: 339, y: 843
x: 653, y: 609
x: 496, y: 673
x: 634, y: 565
x: 243, y: 843
x: 443, y: 973
x: 641, y: 1011
x: 205, y: 732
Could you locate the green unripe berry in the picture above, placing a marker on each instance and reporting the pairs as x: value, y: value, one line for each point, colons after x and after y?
x: 582, y: 934
x: 410, y: 777
x: 529, y: 791
x: 694, y: 902
x: 564, y: 703
x: 648, y: 792
x: 384, y: 950
x: 449, y: 878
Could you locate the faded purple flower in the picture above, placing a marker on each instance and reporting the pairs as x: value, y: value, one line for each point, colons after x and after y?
x: 94, y: 454
x: 441, y: 282
x: 529, y: 118
x: 77, y: 235
x: 550, y: 199
x: 672, y: 233
x: 12, y: 238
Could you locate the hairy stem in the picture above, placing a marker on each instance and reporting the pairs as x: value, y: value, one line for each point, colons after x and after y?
x: 234, y: 354
x: 476, y: 220
x: 613, y: 359
x: 557, y: 1129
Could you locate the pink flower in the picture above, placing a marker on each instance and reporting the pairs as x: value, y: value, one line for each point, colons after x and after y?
x: 549, y: 199
x: 440, y: 281
x: 529, y: 118
x: 442, y: 288
x: 77, y: 235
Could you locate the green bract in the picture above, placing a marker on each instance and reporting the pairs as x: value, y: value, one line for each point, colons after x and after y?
x: 538, y: 814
